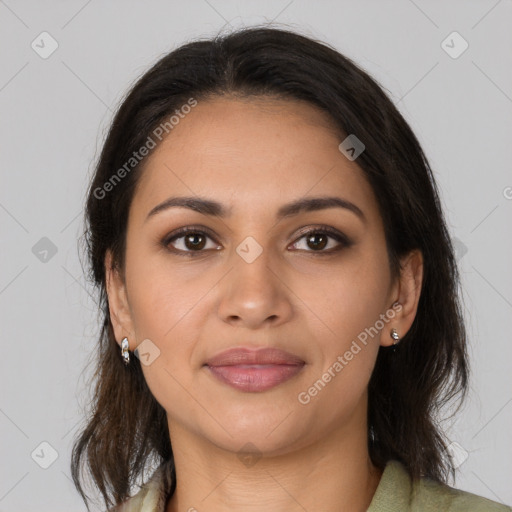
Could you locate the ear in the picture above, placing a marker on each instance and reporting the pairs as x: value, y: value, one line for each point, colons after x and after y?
x: 120, y: 314
x: 407, y: 293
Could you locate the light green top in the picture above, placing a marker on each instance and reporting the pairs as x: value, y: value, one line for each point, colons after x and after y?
x: 395, y: 493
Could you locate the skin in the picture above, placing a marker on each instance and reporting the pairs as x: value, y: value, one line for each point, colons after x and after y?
x: 254, y: 155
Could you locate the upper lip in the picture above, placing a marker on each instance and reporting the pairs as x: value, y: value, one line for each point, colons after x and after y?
x: 236, y: 356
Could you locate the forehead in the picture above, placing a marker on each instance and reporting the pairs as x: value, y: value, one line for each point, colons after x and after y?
x: 257, y: 151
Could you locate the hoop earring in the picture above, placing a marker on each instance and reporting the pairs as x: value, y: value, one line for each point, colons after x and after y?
x: 394, y: 335
x: 125, y: 351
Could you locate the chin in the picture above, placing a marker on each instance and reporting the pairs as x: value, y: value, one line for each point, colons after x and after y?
x: 272, y: 433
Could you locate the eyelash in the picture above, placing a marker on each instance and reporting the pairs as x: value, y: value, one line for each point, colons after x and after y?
x: 325, y: 230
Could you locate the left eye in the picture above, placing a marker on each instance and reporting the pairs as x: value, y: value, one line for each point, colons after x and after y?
x: 318, y: 239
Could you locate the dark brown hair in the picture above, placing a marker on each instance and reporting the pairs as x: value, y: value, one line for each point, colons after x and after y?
x: 127, y: 430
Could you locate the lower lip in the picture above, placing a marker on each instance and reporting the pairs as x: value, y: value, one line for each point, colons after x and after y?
x: 255, y: 377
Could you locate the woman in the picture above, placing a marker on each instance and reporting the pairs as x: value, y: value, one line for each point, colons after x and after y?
x: 279, y: 291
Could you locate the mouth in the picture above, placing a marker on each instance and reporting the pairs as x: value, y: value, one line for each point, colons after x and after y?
x: 254, y: 370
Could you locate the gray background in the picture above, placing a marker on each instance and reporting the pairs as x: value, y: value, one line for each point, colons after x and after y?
x: 54, y: 114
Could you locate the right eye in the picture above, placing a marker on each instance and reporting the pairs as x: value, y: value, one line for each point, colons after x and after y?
x: 191, y: 240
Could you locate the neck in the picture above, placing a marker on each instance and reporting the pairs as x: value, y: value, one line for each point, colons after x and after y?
x: 332, y: 474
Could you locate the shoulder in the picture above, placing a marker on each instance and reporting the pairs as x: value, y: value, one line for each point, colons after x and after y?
x: 153, y: 495
x: 396, y: 492
x: 430, y: 495
x: 135, y: 503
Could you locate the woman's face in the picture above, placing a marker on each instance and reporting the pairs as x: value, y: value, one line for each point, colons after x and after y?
x: 254, y: 279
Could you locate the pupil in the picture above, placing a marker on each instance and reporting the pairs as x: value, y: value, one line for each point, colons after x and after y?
x: 317, y: 235
x: 192, y: 239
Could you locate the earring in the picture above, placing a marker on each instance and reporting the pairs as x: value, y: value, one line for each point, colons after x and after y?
x: 124, y: 351
x: 394, y: 335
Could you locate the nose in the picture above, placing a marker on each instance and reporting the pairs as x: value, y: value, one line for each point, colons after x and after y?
x: 255, y: 293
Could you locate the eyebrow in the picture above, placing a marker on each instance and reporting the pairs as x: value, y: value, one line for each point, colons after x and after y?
x: 209, y: 207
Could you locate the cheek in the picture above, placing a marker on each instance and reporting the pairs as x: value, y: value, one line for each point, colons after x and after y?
x: 347, y: 321
x: 161, y: 296
x: 167, y: 309
x: 348, y: 298
x: 347, y: 348
x: 169, y: 305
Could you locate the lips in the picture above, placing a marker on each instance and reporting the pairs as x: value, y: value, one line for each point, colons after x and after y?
x: 254, y: 370
x: 236, y: 356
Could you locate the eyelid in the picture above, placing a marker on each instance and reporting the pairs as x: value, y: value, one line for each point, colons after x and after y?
x: 320, y: 228
x: 180, y: 232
